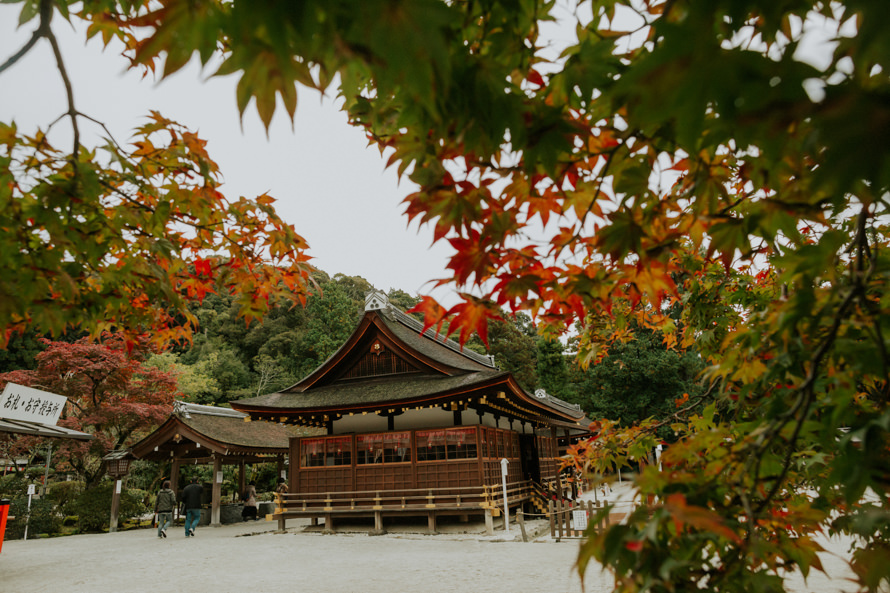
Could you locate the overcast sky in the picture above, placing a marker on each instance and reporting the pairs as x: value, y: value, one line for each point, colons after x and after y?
x: 329, y: 184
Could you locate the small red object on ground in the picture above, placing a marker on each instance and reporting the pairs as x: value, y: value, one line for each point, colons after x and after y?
x: 4, y: 512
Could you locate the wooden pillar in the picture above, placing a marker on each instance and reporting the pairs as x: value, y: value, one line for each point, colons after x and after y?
x: 329, y: 523
x: 555, y: 443
x: 390, y: 423
x: 458, y: 417
x: 217, y: 490
x: 378, y: 523
x: 280, y: 459
x: 489, y: 523
x: 174, y: 483
x: 242, y: 479
x: 431, y: 522
x: 115, y: 505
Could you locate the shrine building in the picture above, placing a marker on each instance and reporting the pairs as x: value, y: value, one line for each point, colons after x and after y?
x: 414, y: 424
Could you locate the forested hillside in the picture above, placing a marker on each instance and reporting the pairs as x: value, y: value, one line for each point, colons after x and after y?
x: 230, y: 359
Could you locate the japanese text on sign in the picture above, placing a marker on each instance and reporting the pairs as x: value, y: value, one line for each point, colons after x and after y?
x: 33, y: 405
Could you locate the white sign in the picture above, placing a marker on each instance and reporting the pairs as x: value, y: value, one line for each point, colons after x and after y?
x: 579, y: 520
x: 32, y: 405
x: 32, y: 489
x: 219, y: 477
x: 117, y: 486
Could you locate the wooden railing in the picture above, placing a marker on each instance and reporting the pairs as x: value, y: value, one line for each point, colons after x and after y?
x: 419, y: 499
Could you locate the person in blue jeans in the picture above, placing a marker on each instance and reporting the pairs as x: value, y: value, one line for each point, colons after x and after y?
x: 164, y: 505
x: 191, y: 504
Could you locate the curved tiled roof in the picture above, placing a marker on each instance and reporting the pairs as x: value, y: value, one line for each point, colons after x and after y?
x: 450, y: 370
x: 368, y: 392
x: 220, y: 429
x: 433, y: 344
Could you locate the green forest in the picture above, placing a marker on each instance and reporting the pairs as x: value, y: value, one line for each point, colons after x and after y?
x: 229, y: 359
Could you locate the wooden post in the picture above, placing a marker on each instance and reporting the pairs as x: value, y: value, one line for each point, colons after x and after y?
x: 329, y: 523
x: 378, y: 523
x: 115, y: 505
x: 551, y: 512
x: 560, y: 517
x: 520, y: 517
x: 174, y: 484
x: 431, y: 522
x: 489, y: 522
x: 217, y: 490
x: 242, y: 479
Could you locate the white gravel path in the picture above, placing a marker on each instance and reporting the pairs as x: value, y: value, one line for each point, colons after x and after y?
x: 251, y: 558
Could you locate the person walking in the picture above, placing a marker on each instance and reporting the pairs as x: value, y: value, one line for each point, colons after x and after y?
x: 191, y: 503
x: 164, y: 505
x: 250, y: 504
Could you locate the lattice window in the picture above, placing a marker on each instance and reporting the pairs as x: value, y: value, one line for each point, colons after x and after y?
x: 374, y: 364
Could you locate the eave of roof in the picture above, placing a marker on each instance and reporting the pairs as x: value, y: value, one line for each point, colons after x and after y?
x: 224, y: 434
x: 368, y: 393
x: 43, y: 430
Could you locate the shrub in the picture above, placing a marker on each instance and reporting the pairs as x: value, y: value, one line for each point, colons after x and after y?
x: 64, y: 494
x: 13, y: 486
x: 43, y: 518
x: 93, y: 507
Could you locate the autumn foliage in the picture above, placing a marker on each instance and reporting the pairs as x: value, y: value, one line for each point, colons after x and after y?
x: 714, y: 170
x: 111, y: 395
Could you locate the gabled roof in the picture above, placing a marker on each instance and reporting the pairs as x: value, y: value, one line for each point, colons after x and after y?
x: 212, y: 429
x: 424, y: 351
x: 435, y: 370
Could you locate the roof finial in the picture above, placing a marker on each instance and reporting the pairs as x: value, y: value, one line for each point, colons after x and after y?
x: 376, y: 300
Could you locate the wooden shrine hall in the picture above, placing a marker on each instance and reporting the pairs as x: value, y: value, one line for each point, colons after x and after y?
x: 414, y: 424
x: 197, y: 434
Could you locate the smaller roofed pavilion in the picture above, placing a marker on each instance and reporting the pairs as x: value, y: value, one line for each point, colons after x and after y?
x: 197, y: 434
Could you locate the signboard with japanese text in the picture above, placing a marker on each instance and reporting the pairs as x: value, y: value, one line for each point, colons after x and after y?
x: 579, y: 520
x: 33, y: 405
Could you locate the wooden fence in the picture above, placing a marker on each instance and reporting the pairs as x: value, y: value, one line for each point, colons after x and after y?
x: 570, y: 519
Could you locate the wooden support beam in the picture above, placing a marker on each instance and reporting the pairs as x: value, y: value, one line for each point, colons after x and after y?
x: 217, y: 491
x: 378, y: 523
x: 242, y: 478
x: 431, y: 521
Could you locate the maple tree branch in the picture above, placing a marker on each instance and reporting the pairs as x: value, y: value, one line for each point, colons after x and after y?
x: 806, y: 396
x: 35, y: 37
x: 601, y: 177
x: 42, y: 30
x: 69, y: 91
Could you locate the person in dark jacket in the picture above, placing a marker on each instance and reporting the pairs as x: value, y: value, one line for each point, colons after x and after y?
x: 164, y: 505
x: 191, y: 504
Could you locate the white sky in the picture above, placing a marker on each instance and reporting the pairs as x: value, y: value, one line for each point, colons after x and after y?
x: 330, y: 185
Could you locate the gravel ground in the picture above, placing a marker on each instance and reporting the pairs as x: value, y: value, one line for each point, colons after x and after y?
x: 251, y: 557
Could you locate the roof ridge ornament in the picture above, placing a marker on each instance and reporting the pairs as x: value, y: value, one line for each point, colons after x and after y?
x: 376, y: 300
x: 186, y: 409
